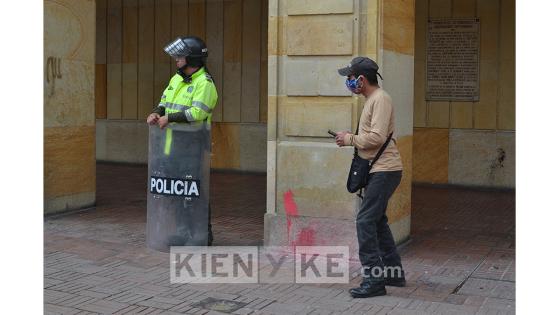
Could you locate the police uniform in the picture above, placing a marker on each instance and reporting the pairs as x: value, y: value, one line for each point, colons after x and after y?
x: 196, y: 97
x: 187, y: 99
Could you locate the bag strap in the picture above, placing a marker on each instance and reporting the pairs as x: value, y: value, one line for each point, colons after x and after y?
x: 378, y: 155
x: 357, y: 129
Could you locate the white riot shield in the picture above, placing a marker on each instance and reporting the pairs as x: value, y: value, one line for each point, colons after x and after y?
x: 178, y: 185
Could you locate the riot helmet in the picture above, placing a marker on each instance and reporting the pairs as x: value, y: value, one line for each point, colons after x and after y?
x: 191, y: 47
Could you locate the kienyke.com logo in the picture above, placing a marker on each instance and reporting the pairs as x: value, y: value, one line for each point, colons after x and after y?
x: 259, y: 264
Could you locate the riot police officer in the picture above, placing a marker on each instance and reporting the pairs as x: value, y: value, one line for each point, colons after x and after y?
x: 189, y: 97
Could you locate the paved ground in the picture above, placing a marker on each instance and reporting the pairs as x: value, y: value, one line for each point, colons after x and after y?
x: 460, y: 260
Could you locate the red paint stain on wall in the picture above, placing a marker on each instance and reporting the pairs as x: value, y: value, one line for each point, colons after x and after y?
x: 290, y: 208
x: 306, y: 237
x: 289, y: 204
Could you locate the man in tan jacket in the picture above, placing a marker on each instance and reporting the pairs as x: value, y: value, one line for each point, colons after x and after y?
x: 378, y: 254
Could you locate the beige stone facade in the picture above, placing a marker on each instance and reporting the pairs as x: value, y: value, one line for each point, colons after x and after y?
x: 132, y: 70
x: 274, y: 63
x: 69, y: 121
x: 308, y: 41
x: 468, y: 143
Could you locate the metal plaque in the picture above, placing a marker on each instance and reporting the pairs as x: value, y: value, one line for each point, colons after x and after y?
x: 453, y: 58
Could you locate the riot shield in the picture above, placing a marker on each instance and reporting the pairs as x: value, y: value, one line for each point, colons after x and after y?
x: 178, y: 185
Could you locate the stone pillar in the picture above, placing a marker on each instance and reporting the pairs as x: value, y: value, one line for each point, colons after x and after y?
x: 307, y: 201
x: 396, y: 62
x: 69, y: 125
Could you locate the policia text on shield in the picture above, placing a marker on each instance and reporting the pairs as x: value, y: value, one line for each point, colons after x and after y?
x: 179, y: 152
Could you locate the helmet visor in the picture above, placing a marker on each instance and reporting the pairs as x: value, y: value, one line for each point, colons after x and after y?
x: 177, y: 48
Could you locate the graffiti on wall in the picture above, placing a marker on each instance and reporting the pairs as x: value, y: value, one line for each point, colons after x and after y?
x: 52, y: 72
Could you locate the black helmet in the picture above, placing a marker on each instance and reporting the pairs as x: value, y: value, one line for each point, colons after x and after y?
x: 191, y: 47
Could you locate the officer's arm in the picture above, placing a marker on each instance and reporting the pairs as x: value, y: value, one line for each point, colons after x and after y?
x: 160, y: 109
x: 179, y: 117
x: 191, y: 114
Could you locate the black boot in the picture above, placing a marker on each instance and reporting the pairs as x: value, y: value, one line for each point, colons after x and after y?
x: 394, y: 276
x: 395, y: 281
x: 370, y: 286
x: 393, y: 272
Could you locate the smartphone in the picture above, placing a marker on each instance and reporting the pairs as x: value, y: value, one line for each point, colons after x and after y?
x: 332, y: 133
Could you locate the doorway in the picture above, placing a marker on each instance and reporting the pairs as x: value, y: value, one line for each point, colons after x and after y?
x: 132, y: 70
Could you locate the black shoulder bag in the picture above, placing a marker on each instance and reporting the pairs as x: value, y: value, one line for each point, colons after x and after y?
x: 359, y: 169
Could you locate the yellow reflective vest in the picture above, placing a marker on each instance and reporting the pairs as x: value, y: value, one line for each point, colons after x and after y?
x: 196, y: 98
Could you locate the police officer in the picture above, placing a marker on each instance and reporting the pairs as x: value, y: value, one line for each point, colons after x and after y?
x: 190, y: 96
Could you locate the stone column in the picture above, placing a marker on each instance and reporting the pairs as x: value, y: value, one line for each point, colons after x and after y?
x: 69, y: 125
x: 396, y: 61
x: 307, y: 201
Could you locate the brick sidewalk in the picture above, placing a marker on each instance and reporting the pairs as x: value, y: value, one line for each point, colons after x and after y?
x: 460, y: 260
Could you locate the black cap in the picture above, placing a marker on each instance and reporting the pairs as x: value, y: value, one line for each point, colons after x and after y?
x: 360, y: 66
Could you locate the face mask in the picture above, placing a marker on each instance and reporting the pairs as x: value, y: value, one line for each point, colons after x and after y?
x: 353, y: 86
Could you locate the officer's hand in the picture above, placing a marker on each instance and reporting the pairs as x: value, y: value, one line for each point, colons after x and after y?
x: 152, y: 118
x: 163, y: 121
x: 340, y: 138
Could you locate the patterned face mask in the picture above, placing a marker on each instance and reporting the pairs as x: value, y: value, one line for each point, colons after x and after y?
x: 352, y: 85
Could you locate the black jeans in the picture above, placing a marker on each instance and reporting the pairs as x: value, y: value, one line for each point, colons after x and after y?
x: 376, y: 244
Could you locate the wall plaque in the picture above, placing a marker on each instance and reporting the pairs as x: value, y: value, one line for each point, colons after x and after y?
x: 453, y: 56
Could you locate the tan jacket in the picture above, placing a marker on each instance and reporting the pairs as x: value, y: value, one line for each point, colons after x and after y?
x: 376, y: 123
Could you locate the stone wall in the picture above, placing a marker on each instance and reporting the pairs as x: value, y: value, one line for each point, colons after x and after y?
x: 396, y: 62
x: 235, y: 146
x: 133, y: 70
x: 69, y: 124
x: 468, y: 143
x: 307, y: 201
